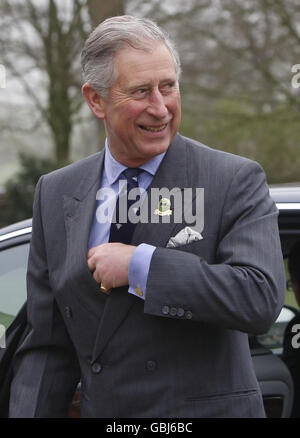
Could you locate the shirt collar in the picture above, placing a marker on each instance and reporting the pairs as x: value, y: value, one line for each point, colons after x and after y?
x: 114, y: 169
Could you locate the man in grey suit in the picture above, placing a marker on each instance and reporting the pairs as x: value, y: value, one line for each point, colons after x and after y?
x: 157, y: 327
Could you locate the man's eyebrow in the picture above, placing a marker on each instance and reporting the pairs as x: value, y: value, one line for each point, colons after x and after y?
x: 137, y: 86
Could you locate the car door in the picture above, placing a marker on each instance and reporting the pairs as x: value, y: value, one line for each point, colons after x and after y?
x: 14, y: 249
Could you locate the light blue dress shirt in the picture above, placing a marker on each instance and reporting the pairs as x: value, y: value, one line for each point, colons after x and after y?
x: 141, y: 259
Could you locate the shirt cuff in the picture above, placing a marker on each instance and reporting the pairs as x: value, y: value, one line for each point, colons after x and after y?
x: 139, y: 269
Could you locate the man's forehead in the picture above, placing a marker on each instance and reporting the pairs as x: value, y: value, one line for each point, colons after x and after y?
x: 141, y: 67
x: 151, y: 80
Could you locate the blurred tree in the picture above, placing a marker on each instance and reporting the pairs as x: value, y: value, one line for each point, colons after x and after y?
x: 97, y: 15
x: 40, y: 44
x: 244, y: 75
x: 107, y: 9
x: 46, y: 38
x: 236, y: 84
x: 16, y: 205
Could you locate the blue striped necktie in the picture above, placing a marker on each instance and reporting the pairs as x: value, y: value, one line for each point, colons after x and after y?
x: 122, y: 232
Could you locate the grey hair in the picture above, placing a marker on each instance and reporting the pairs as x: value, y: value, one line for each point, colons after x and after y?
x: 112, y: 35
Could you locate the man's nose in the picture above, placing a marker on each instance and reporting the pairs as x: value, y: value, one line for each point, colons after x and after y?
x: 157, y: 106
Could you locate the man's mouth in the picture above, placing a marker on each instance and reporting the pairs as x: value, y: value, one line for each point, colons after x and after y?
x: 154, y: 128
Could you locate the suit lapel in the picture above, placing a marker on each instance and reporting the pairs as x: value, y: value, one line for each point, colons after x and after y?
x: 79, y: 213
x: 171, y: 174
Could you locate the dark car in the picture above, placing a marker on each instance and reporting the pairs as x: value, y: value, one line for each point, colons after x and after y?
x: 14, y: 251
x: 273, y: 376
x: 275, y: 380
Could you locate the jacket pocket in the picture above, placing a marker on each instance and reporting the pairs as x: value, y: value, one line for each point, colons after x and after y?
x: 244, y: 403
x: 224, y: 395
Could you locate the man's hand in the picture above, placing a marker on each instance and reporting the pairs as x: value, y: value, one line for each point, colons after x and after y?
x: 109, y: 263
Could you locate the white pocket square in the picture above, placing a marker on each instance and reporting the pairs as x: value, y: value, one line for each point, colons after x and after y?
x: 185, y: 236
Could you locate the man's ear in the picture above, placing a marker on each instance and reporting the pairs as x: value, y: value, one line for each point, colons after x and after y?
x: 94, y: 100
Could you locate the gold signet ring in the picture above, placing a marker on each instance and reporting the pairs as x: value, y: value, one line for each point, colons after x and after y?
x: 104, y: 289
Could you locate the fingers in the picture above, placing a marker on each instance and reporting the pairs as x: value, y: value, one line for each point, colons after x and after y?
x: 91, y: 260
x: 91, y: 264
x: 109, y: 263
x: 91, y: 252
x: 96, y: 260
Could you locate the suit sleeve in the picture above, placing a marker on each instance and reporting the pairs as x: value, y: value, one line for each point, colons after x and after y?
x: 46, y: 369
x: 244, y: 288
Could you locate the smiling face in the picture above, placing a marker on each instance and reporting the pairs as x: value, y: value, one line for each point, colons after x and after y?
x: 142, y: 113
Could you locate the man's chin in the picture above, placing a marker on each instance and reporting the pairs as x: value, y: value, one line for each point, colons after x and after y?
x: 155, y: 148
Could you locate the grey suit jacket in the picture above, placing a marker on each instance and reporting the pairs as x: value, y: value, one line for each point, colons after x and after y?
x: 184, y: 351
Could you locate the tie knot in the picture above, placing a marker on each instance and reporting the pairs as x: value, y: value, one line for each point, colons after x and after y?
x: 132, y: 173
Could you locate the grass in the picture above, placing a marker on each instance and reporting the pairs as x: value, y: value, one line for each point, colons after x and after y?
x: 6, y: 319
x: 290, y: 299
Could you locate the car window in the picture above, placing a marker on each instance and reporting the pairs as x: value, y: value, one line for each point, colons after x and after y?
x: 13, y: 267
x: 273, y: 339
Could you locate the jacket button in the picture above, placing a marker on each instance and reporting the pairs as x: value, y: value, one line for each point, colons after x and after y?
x: 188, y: 314
x: 165, y: 310
x: 173, y: 311
x: 68, y: 312
x: 96, y: 368
x: 180, y: 312
x: 151, y: 365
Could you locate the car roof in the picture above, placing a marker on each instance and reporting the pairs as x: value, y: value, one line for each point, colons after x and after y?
x: 285, y: 193
x: 18, y: 229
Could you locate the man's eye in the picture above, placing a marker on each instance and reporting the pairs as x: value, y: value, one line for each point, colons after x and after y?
x: 141, y: 92
x: 167, y: 88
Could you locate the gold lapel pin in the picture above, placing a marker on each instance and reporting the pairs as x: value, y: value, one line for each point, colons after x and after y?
x: 163, y: 207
